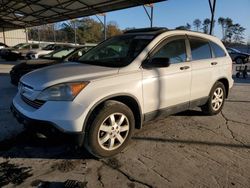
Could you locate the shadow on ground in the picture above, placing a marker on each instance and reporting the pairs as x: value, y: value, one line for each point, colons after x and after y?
x: 27, y: 145
x: 190, y: 142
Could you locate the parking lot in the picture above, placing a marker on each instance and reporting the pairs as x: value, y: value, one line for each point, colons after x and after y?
x: 184, y: 150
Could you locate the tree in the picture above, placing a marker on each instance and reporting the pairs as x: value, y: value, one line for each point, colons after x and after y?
x: 238, y: 32
x: 222, y: 22
x: 228, y: 29
x: 197, y: 24
x: 206, y: 24
x: 113, y: 29
x: 231, y: 32
x: 90, y: 31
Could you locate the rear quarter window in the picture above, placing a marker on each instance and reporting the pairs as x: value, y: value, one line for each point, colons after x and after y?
x: 217, y: 50
x: 200, y: 49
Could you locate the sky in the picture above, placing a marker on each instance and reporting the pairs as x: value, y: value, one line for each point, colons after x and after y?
x: 173, y: 13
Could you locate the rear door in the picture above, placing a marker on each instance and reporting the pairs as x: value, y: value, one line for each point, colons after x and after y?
x: 201, y: 68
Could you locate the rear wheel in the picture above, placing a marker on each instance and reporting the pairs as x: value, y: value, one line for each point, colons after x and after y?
x: 237, y: 74
x: 110, y: 130
x: 239, y: 60
x: 216, y: 99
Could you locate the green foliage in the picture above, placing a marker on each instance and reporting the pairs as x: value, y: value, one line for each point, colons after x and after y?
x: 87, y: 31
x: 197, y: 24
x: 231, y: 32
x: 206, y: 24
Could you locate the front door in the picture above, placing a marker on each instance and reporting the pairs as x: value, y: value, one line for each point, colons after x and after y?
x: 167, y: 87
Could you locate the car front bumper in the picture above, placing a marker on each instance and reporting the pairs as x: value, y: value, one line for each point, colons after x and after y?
x: 46, y: 128
x: 64, y: 116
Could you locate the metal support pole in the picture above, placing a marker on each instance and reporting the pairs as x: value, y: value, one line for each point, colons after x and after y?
x: 4, y: 40
x: 26, y: 34
x: 105, y: 27
x: 38, y: 30
x: 54, y: 33
x: 212, y: 9
x: 103, y: 23
x: 75, y: 30
x: 151, y: 19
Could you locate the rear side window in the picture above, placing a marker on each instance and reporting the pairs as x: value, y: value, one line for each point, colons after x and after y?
x: 218, y: 51
x: 174, y: 50
x: 200, y: 49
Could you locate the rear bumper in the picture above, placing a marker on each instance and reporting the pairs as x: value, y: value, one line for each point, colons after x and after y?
x: 45, y: 127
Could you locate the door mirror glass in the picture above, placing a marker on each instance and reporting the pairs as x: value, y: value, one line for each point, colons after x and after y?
x: 157, y: 62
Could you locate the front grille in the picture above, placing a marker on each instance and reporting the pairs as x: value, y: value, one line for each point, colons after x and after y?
x: 35, y: 104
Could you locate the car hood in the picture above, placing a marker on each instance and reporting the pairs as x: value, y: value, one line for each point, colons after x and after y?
x: 40, y: 61
x: 65, y: 72
x: 243, y: 53
x: 30, y: 65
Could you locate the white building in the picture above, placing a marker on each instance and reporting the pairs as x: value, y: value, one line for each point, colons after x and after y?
x: 12, y: 37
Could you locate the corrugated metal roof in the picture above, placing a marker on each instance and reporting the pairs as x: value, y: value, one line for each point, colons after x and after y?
x: 28, y: 13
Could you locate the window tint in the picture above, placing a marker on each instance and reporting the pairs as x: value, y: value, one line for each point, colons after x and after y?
x: 117, y: 51
x: 200, y: 49
x: 35, y: 46
x: 62, y: 53
x: 174, y: 50
x: 76, y: 55
x: 218, y: 51
x: 229, y: 50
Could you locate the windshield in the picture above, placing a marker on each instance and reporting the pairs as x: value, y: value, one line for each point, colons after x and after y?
x: 59, y: 54
x: 117, y: 51
x: 18, y: 46
x: 49, y: 47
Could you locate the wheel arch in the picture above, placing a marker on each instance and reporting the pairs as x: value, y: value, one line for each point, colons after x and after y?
x: 225, y: 82
x: 127, y: 99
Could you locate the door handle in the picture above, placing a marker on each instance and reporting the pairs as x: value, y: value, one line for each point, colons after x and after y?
x: 184, y: 68
x: 214, y: 63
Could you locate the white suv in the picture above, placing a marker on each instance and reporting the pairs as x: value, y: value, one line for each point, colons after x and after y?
x: 123, y: 82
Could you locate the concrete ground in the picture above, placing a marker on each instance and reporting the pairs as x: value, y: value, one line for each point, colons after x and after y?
x: 183, y: 150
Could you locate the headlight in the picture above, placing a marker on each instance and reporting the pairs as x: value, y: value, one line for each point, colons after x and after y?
x: 62, y: 92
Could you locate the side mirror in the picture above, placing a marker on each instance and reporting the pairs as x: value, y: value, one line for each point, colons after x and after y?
x: 158, y: 62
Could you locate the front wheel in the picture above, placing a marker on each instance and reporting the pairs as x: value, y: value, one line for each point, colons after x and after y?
x: 110, y: 130
x: 216, y: 100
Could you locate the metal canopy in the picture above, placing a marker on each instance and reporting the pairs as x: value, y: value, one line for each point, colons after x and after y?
x: 29, y: 13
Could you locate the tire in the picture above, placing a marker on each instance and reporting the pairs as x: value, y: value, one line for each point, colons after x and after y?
x: 106, y: 136
x: 237, y: 75
x: 239, y: 60
x: 245, y: 75
x: 215, y: 104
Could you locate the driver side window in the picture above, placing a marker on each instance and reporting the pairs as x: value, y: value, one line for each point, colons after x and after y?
x: 174, y: 50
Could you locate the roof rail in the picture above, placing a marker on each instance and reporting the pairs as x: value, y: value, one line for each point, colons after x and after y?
x: 148, y: 29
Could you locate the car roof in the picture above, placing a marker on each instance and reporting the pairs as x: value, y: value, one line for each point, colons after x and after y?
x: 152, y: 30
x: 161, y: 30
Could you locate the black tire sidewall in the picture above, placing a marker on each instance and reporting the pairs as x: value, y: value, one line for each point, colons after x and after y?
x: 91, y: 141
x: 217, y: 85
x: 239, y: 58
